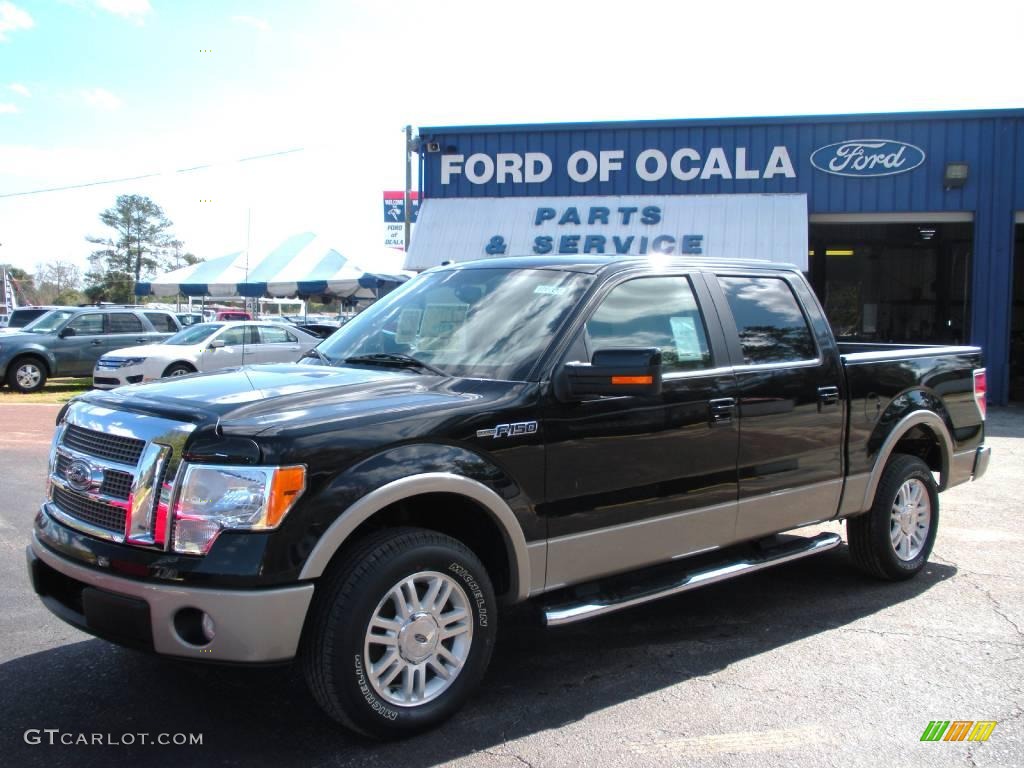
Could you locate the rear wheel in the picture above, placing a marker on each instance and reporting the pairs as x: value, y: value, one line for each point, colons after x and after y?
x: 179, y: 369
x: 26, y: 375
x: 895, y: 537
x: 401, y: 633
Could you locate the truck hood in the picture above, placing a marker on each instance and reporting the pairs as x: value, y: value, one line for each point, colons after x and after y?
x: 254, y: 399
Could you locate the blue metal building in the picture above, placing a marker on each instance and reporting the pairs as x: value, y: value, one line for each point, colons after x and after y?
x: 912, y: 219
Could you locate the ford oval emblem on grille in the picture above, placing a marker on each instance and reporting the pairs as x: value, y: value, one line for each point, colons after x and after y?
x: 79, y: 475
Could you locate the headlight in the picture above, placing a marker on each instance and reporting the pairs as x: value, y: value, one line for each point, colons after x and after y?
x: 217, y: 498
x: 127, y: 361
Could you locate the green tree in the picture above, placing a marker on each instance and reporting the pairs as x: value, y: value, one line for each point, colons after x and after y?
x: 141, y: 235
x: 58, y: 283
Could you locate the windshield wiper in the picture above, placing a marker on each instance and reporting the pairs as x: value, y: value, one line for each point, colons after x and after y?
x: 314, y: 352
x: 394, y: 359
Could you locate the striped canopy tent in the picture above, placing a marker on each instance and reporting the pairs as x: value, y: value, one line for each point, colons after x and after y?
x: 303, y: 265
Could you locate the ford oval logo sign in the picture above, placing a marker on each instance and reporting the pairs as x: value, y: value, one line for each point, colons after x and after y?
x: 867, y: 157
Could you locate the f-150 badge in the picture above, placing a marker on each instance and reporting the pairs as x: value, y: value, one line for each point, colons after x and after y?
x: 518, y: 429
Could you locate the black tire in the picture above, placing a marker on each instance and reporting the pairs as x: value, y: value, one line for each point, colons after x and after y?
x: 22, y: 365
x: 350, y: 594
x: 870, y: 535
x: 178, y: 369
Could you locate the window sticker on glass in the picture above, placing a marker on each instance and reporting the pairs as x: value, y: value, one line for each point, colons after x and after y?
x: 440, y: 325
x: 684, y: 332
x: 550, y: 290
x: 408, y: 326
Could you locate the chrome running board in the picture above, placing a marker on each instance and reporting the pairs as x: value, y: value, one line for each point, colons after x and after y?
x: 588, y: 608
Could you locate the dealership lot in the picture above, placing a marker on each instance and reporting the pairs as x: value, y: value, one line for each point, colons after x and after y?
x: 808, y: 664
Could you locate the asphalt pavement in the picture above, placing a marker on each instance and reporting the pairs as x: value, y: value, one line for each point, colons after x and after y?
x: 807, y: 664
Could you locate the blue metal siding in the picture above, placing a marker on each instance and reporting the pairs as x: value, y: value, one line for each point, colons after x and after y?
x: 990, y: 141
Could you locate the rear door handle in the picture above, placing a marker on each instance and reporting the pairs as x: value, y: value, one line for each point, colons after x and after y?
x: 828, y: 395
x: 721, y: 410
x: 95, y: 342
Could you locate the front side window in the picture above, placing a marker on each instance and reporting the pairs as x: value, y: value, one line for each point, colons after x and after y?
x: 657, y: 312
x: 240, y: 334
x: 87, y: 325
x: 480, y: 322
x: 771, y: 325
x: 125, y: 322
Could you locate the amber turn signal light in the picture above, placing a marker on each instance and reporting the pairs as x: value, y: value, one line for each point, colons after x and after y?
x: 632, y: 379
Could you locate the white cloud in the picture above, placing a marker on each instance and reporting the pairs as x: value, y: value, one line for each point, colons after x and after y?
x: 20, y: 89
x: 261, y: 24
x: 133, y: 10
x: 100, y: 98
x: 13, y: 18
x: 8, y: 109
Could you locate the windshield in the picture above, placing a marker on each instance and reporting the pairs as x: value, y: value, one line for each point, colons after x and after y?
x: 49, y: 322
x: 194, y: 334
x: 479, y: 323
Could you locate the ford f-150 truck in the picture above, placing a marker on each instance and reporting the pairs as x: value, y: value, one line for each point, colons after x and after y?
x: 587, y: 433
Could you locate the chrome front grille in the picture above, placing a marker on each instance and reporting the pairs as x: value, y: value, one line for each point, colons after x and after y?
x: 112, y: 473
x: 116, y: 484
x: 97, y: 513
x: 125, y: 450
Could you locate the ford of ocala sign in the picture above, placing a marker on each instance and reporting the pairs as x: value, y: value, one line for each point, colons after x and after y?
x: 867, y: 157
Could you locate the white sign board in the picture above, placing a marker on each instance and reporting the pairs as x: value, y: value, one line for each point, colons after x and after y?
x: 763, y: 227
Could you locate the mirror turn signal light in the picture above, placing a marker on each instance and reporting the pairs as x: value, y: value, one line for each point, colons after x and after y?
x: 632, y: 379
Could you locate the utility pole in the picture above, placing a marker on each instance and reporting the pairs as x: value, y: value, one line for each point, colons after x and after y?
x: 408, y: 184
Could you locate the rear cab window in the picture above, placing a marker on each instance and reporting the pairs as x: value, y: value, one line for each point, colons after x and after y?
x: 771, y: 324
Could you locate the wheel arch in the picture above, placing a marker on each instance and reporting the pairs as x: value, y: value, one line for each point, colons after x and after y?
x: 179, y: 362
x: 379, y: 505
x: 39, y: 353
x: 909, y: 430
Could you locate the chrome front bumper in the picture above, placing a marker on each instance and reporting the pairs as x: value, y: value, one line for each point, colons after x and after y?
x: 251, y: 626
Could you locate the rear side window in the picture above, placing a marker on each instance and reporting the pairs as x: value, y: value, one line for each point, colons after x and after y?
x: 273, y: 335
x: 163, y: 323
x: 657, y: 312
x: 125, y: 322
x: 771, y: 325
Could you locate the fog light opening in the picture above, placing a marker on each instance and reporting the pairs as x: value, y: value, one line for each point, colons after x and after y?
x: 194, y: 626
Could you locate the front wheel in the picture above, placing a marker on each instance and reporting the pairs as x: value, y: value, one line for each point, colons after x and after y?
x: 401, y: 633
x: 26, y: 375
x: 894, y: 538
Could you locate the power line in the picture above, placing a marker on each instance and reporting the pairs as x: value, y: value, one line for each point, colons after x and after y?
x: 148, y: 175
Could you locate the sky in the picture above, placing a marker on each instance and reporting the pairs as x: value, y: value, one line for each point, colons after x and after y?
x: 320, y: 92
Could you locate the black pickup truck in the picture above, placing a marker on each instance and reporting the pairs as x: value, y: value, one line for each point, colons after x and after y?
x: 584, y: 433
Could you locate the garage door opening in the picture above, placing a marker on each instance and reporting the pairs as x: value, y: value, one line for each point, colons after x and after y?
x: 894, y: 282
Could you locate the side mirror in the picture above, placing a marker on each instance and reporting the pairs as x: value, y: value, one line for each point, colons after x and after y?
x: 216, y: 343
x: 66, y: 333
x: 615, y: 372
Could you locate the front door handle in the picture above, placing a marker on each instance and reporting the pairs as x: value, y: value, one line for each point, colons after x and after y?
x: 828, y: 395
x: 721, y: 410
x: 95, y: 342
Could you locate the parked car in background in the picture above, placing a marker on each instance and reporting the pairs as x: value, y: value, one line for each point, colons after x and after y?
x: 69, y: 341
x: 22, y: 316
x: 189, y: 318
x: 233, y: 314
x: 203, y: 347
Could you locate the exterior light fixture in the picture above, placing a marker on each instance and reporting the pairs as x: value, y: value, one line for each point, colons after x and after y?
x: 955, y: 175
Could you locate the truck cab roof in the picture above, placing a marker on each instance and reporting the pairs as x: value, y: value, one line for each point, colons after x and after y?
x: 594, y: 264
